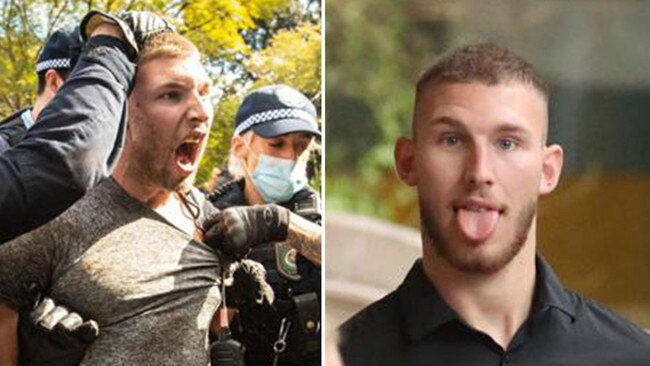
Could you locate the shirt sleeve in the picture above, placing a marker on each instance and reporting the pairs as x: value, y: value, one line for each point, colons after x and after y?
x: 74, y: 144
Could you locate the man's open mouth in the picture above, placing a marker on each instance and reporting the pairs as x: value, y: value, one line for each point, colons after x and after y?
x: 187, y: 153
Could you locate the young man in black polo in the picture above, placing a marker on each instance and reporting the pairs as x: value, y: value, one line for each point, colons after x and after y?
x: 481, y: 295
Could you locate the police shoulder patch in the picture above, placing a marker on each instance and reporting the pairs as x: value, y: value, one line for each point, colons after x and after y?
x: 285, y: 261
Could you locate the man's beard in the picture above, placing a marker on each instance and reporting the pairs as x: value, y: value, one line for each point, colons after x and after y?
x: 160, y: 174
x: 466, y: 261
x: 147, y: 159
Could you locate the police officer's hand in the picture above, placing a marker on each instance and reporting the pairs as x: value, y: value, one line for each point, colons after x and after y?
x: 136, y: 26
x: 237, y: 229
x: 249, y: 285
x: 53, y: 335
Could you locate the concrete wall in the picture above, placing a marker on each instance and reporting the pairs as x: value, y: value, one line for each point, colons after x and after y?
x: 365, y: 259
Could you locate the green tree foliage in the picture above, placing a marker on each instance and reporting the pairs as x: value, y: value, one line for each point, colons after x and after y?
x: 246, y: 43
x: 370, y: 76
x: 292, y: 57
x: 216, y: 153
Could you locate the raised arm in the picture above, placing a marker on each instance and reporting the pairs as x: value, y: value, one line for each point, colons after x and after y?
x: 79, y: 135
x: 75, y: 143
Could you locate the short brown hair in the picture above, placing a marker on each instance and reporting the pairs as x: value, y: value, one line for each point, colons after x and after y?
x: 166, y: 44
x: 487, y: 63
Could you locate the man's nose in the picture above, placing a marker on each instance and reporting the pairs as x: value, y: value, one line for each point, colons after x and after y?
x: 478, y: 165
x: 201, y: 109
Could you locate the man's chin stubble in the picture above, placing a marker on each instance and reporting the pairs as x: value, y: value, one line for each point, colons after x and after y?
x: 442, y: 247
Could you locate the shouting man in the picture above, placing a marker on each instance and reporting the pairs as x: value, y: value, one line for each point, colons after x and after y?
x: 124, y: 255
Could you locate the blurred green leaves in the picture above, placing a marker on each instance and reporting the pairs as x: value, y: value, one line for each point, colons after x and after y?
x: 369, y: 98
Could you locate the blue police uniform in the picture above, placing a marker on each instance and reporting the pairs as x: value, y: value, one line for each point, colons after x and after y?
x: 296, y: 283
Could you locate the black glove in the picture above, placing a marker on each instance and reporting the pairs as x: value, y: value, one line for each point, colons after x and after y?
x: 53, y: 335
x: 136, y: 26
x: 235, y: 230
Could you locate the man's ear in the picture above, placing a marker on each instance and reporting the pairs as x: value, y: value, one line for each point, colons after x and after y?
x: 53, y: 81
x: 405, y: 160
x: 551, y: 168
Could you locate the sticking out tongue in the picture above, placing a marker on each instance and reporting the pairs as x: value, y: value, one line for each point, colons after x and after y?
x: 477, y: 226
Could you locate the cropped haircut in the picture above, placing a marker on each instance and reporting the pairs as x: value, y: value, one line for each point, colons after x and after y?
x: 166, y: 44
x: 486, y: 63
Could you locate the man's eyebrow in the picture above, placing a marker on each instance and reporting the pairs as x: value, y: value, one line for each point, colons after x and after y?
x: 185, y: 81
x: 445, y: 120
x: 182, y: 82
x: 511, y: 128
x: 506, y: 127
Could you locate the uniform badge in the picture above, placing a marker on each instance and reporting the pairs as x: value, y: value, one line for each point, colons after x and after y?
x: 285, y: 261
x: 291, y: 98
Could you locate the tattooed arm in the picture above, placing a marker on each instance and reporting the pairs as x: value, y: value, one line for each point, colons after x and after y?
x: 235, y: 230
x: 305, y: 237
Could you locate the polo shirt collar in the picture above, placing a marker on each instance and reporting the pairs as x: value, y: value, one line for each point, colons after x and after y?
x: 424, y: 310
x: 549, y: 292
x: 421, y: 305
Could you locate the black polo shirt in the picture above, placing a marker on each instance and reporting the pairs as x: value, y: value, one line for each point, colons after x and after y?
x: 414, y: 326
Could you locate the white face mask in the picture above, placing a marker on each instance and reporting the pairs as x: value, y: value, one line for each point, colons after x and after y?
x: 278, y: 179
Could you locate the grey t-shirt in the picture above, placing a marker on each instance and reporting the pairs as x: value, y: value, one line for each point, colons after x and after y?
x: 152, y: 289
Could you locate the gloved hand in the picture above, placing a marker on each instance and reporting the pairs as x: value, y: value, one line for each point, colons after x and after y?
x: 53, y: 335
x: 136, y: 26
x: 249, y: 285
x: 235, y: 230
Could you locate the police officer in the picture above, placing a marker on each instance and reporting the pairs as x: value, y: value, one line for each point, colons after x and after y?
x: 269, y: 205
x: 59, y: 55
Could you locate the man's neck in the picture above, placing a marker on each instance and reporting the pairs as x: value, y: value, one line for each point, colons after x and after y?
x: 40, y: 103
x: 165, y: 202
x: 497, y: 303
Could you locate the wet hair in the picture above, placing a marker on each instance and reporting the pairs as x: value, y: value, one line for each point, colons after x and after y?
x: 166, y: 44
x: 486, y: 63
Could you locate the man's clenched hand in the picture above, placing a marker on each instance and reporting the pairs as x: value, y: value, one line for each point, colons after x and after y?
x: 136, y: 26
x: 235, y: 230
